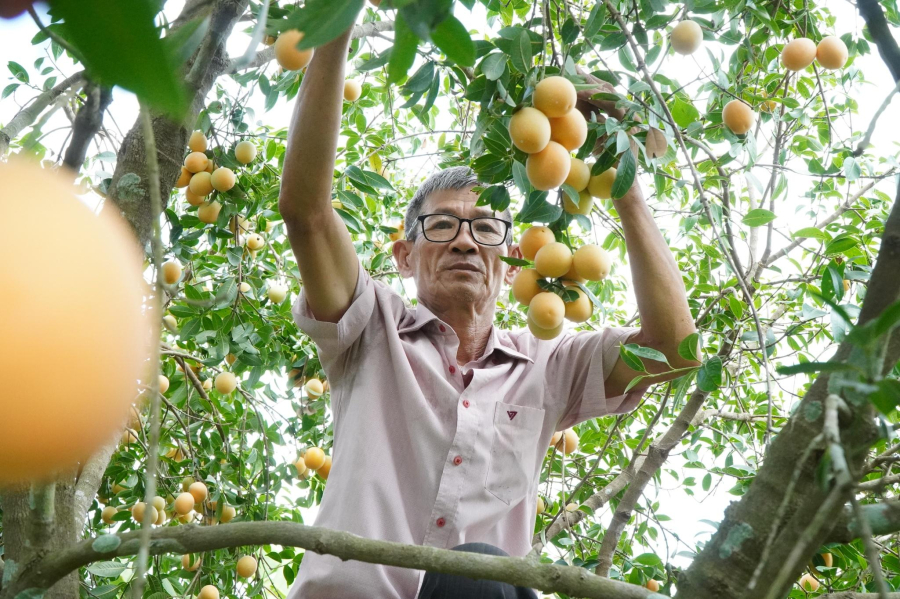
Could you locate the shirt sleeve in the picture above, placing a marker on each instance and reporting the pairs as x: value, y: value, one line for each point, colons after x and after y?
x: 577, y: 372
x: 334, y: 338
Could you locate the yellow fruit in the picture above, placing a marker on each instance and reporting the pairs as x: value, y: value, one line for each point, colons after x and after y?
x: 209, y: 212
x: 579, y: 175
x: 828, y: 559
x: 231, y: 358
x: 188, y: 517
x: 553, y: 260
x: 117, y: 488
x: 170, y: 322
x: 238, y: 221
x: 91, y: 262
x: 600, y: 186
x: 222, y: 179
x: 767, y: 105
x: 184, y: 503
x: 201, y: 184
x: 159, y: 503
x: 192, y: 198
x: 533, y: 239
x: 398, y: 234
x: 580, y: 310
x: 541, y: 333
x: 591, y: 262
x: 686, y: 37
x: 197, y: 142
x: 585, y: 203
x: 228, y: 514
x: 525, y: 285
x: 539, y: 507
x: 246, y: 566
x: 196, y: 162
x: 314, y: 458
x: 300, y: 465
x: 255, y: 241
x: 245, y: 288
x: 199, y: 492
x: 108, y: 514
x: 163, y: 383
x: 276, y: 293
x: 128, y: 438
x: 567, y: 442
x: 207, y: 384
x: 269, y: 40
x: 798, y: 54
x: 653, y: 585
x: 571, y: 507
x: 554, y: 96
x: 809, y: 583
x: 548, y: 168
x: 314, y: 388
x: 832, y: 52
x: 226, y: 382
x: 738, y: 116
x: 352, y: 90
x: 529, y: 129
x: 209, y: 591
x: 570, y: 130
x: 140, y: 510
x: 184, y: 178
x: 245, y: 152
x: 325, y: 469
x: 210, y: 167
x: 572, y: 275
x: 546, y: 310
x: 160, y: 518
x: 186, y: 482
x: 287, y: 54
x: 190, y: 562
x: 171, y: 272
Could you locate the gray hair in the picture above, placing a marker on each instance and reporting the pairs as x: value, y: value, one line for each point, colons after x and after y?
x: 455, y: 177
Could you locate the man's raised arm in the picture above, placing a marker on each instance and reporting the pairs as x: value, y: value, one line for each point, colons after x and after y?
x: 328, y: 263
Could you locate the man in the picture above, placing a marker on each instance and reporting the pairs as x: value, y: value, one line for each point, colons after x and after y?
x: 441, y: 420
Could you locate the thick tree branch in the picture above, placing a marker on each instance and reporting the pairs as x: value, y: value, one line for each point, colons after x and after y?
x: 871, y: 12
x: 268, y: 54
x: 27, y: 115
x: 89, y: 481
x: 87, y: 122
x: 573, y: 581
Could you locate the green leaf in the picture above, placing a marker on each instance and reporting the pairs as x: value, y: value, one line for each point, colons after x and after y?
x: 182, y: 42
x: 493, y: 66
x: 810, y: 367
x: 323, y: 20
x: 106, y: 569
x: 851, y: 169
x: 516, y: 261
x: 648, y: 559
x: 403, y: 54
x: 537, y: 209
x: 106, y: 543
x: 624, y: 175
x: 631, y: 360
x: 368, y: 178
x: 758, y: 217
x: 707, y: 481
x: 375, y: 62
x: 9, y: 89
x: 595, y: 20
x: 709, y: 377
x: 810, y: 233
x: 887, y: 397
x: 684, y: 113
x: 120, y: 45
x: 840, y: 244
x: 520, y: 53
x: 689, y: 347
x: 647, y: 352
x: 454, y: 40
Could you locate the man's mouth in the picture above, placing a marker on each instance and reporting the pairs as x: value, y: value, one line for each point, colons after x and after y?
x: 464, y: 266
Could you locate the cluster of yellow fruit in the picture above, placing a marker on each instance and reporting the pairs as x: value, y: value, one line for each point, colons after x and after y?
x: 199, y: 177
x: 831, y: 53
x: 246, y: 567
x: 291, y: 59
x: 554, y: 260
x: 314, y: 459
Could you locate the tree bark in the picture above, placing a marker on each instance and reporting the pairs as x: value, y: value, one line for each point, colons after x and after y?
x: 87, y: 123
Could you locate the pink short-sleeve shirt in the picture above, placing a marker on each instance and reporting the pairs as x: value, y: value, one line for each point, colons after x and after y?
x: 419, y: 457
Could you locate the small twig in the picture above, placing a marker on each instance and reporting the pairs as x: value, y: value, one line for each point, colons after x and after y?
x: 868, y: 137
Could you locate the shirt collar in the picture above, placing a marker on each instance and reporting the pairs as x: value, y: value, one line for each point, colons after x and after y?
x: 496, y: 342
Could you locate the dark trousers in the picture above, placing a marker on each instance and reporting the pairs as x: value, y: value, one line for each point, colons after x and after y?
x: 448, y: 586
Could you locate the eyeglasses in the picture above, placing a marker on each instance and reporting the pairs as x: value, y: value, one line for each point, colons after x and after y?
x: 443, y: 228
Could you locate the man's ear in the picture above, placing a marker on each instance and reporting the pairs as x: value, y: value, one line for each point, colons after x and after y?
x: 401, y: 250
x: 512, y: 271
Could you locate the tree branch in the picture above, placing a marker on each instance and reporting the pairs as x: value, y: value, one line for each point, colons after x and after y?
x: 873, y: 15
x: 268, y: 54
x: 520, y: 571
x: 89, y: 481
x: 87, y: 122
x: 27, y: 115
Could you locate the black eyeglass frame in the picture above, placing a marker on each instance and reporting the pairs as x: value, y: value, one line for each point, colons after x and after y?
x: 421, y: 218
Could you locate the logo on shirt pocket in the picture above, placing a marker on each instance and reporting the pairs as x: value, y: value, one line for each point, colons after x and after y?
x: 514, y: 446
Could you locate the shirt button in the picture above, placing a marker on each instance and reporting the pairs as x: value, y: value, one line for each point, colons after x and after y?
x: 440, y: 522
x: 457, y: 461
x: 465, y: 403
x: 442, y: 328
x: 453, y: 370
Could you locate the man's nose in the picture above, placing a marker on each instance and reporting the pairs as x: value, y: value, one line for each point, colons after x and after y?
x: 464, y: 242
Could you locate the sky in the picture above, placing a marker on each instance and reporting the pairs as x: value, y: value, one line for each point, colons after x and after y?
x: 691, y: 517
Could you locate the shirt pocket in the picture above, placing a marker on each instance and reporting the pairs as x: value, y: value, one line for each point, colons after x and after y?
x: 514, y: 446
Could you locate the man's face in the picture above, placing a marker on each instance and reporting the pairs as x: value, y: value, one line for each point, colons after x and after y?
x: 461, y: 270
